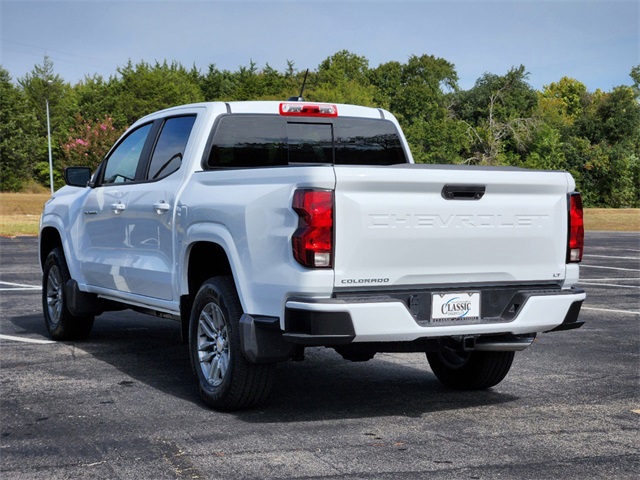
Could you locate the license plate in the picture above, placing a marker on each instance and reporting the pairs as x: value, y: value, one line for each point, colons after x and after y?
x: 455, y: 307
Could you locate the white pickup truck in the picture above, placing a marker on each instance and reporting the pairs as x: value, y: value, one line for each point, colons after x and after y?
x: 268, y: 227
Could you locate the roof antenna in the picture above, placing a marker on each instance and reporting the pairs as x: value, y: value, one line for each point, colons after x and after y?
x: 299, y: 97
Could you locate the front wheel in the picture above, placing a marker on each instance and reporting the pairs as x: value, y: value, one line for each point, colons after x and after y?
x: 226, y: 379
x: 60, y: 322
x: 470, y: 370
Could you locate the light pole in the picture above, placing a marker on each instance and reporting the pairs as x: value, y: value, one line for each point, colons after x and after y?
x: 49, y: 139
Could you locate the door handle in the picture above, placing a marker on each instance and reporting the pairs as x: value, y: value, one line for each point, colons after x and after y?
x: 161, y: 207
x: 118, y: 207
x: 463, y: 192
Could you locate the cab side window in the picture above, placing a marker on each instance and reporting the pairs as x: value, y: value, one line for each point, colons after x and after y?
x: 167, y: 155
x: 242, y: 141
x: 123, y: 162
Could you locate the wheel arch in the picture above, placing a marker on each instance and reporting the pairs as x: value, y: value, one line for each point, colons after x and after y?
x: 205, y: 260
x: 50, y: 238
x: 202, y: 260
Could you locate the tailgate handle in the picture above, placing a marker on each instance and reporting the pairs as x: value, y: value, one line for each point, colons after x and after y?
x: 463, y: 192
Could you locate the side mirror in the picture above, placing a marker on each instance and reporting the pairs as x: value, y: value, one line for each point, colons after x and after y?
x: 77, y: 176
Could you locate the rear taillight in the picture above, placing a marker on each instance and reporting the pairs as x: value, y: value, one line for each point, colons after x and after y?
x: 576, y: 229
x: 313, y: 240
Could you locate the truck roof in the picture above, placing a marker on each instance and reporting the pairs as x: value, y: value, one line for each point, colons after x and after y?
x: 274, y: 107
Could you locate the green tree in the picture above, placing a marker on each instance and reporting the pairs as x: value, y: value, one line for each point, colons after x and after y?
x: 635, y: 76
x: 342, y: 78
x: 603, y: 147
x: 276, y: 85
x: 514, y: 97
x: 499, y: 114
x: 425, y: 82
x: 97, y: 98
x: 143, y: 88
x: 218, y: 85
x: 569, y: 95
x: 40, y: 85
x: 18, y: 138
x: 249, y: 83
x: 419, y: 94
x: 546, y: 151
x: 618, y: 116
x: 387, y: 78
x: 342, y: 66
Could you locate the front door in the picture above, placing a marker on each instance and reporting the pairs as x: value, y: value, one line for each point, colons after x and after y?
x: 102, y: 230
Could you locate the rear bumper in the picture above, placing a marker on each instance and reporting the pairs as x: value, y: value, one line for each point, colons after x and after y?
x: 340, y: 321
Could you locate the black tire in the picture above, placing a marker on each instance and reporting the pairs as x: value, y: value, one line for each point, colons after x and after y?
x: 226, y: 379
x: 470, y: 370
x: 60, y: 323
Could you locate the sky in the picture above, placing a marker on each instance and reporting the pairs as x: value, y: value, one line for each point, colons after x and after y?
x: 594, y: 41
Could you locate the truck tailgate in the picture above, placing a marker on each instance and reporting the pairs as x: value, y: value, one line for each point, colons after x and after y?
x: 395, y: 228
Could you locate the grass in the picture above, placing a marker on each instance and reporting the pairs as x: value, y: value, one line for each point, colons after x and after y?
x: 612, y: 219
x: 20, y: 215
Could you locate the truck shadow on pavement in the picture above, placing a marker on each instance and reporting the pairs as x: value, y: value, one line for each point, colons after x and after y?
x: 142, y: 348
x: 327, y: 387
x: 322, y: 387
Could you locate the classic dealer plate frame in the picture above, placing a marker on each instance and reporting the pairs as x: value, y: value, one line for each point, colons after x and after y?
x: 455, y: 307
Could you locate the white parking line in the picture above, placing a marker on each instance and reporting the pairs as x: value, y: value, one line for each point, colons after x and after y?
x: 609, y: 256
x: 26, y: 340
x: 18, y: 287
x: 611, y: 268
x: 610, y: 310
x: 616, y: 279
x: 609, y: 285
x: 21, y: 289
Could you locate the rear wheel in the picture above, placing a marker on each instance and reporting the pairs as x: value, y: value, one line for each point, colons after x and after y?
x: 470, y: 370
x: 226, y: 379
x: 60, y: 323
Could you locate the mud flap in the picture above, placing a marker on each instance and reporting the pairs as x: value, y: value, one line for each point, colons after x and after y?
x: 261, y: 340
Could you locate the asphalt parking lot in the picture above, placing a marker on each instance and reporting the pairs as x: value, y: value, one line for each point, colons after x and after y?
x: 123, y: 404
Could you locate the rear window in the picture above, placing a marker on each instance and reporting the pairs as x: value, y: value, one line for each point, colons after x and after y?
x: 241, y: 141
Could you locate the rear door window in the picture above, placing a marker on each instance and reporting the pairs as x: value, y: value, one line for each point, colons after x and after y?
x: 167, y: 155
x: 249, y: 141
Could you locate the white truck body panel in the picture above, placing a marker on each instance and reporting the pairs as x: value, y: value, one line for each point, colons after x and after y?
x: 516, y: 233
x: 250, y: 212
